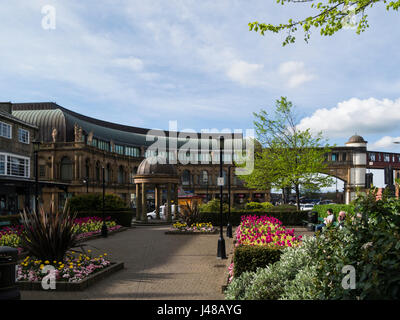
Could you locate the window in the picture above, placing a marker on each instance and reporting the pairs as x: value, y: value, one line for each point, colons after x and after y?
x: 14, y: 166
x: 372, y: 157
x: 186, y: 178
x: 386, y: 157
x: 132, y: 152
x: 334, y: 157
x: 204, y: 177
x: 121, y: 173
x: 66, y: 169
x: 2, y: 164
x: 42, y: 171
x: 119, y: 149
x: 95, y: 142
x: 23, y: 136
x: 104, y: 145
x: 5, y: 130
x: 344, y: 156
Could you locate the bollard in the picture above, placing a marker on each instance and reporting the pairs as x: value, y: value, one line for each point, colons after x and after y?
x: 8, y: 262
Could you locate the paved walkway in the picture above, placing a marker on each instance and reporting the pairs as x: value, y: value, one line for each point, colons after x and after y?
x: 157, y: 266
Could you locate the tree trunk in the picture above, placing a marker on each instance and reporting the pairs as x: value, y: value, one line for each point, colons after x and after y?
x: 297, y: 196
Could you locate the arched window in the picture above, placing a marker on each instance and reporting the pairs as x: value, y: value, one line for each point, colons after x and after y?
x: 66, y: 169
x: 87, y: 169
x: 121, y: 173
x: 107, y: 173
x: 186, y: 178
x: 97, y: 171
x: 204, y: 177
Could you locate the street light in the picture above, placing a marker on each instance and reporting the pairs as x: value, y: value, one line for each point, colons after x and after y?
x: 221, y: 242
x: 36, y: 147
x: 86, y: 181
x: 229, y: 226
x: 104, y: 231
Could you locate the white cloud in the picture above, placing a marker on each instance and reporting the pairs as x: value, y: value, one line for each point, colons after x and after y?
x: 247, y: 74
x: 387, y: 142
x: 131, y: 63
x: 369, y: 116
x: 295, y: 73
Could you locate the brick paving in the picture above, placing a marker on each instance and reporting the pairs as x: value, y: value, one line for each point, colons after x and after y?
x: 157, y: 266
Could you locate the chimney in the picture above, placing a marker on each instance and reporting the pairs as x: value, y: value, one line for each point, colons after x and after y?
x: 6, y: 107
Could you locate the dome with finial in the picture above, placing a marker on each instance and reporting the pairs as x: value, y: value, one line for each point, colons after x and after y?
x: 356, y: 140
x: 156, y: 166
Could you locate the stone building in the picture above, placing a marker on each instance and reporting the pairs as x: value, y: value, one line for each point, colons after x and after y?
x: 16, y: 162
x: 75, y: 148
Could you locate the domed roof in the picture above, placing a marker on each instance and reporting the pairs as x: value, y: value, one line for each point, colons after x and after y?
x: 356, y: 139
x: 156, y: 165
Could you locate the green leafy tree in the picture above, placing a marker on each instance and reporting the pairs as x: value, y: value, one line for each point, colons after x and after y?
x: 289, y: 157
x: 330, y: 16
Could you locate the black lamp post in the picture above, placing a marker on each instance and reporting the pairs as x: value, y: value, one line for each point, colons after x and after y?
x: 104, y: 231
x: 36, y: 147
x: 229, y: 226
x: 86, y: 181
x: 221, y: 241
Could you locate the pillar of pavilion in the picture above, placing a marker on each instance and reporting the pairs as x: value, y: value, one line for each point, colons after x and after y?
x: 154, y: 174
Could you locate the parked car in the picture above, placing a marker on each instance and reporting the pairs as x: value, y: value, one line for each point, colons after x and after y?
x: 306, y: 206
x: 153, y: 215
x: 326, y: 202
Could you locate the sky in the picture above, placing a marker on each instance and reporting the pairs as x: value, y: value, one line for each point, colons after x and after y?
x: 145, y: 63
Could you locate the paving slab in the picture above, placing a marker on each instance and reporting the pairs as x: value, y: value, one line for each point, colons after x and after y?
x: 157, y: 266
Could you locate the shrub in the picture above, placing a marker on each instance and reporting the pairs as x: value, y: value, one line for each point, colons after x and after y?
x: 213, y: 206
x: 249, y: 258
x: 94, y: 202
x: 48, y: 236
x: 271, y: 282
x: 238, y: 287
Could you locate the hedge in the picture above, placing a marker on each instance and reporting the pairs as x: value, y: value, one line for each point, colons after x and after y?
x: 288, y: 218
x: 94, y: 201
x: 249, y: 258
x: 12, y: 219
x: 321, y: 209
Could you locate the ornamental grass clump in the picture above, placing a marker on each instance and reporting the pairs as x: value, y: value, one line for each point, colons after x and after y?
x: 48, y: 236
x: 265, y: 231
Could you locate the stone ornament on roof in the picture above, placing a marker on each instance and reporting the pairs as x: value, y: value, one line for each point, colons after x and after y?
x: 54, y: 135
x: 77, y: 133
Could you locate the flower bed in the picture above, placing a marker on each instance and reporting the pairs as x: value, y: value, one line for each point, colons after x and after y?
x: 259, y: 240
x: 84, y: 228
x: 265, y: 231
x: 194, y: 228
x: 73, y: 268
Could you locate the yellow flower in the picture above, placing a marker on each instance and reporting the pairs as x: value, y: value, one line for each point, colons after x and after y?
x: 41, y: 266
x: 47, y: 262
x: 105, y: 254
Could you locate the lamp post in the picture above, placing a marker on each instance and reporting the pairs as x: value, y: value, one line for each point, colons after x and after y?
x: 104, y: 231
x: 86, y: 181
x: 229, y: 226
x: 36, y: 146
x: 221, y: 253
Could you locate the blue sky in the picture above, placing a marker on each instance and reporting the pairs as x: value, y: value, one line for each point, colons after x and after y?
x: 143, y: 63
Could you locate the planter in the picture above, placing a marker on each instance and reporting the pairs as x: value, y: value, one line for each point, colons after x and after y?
x: 74, y: 286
